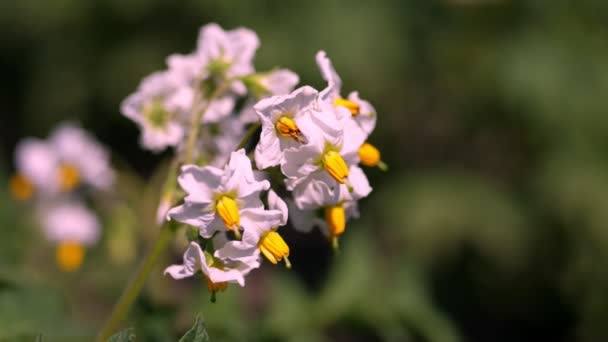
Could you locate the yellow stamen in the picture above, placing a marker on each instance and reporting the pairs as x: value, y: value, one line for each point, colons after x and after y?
x: 215, y: 287
x: 288, y: 128
x: 69, y: 256
x: 69, y: 177
x: 334, y: 164
x: 228, y: 210
x: 335, y: 217
x: 21, y: 188
x: 274, y: 248
x: 353, y: 107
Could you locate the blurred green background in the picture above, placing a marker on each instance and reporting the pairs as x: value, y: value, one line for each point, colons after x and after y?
x: 491, y: 224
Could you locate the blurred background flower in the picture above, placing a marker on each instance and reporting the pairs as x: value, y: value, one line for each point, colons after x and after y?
x: 490, y: 225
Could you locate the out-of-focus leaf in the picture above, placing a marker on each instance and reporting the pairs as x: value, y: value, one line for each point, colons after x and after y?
x: 435, y: 213
x: 23, y: 312
x: 289, y: 313
x: 198, y: 332
x: 127, y: 335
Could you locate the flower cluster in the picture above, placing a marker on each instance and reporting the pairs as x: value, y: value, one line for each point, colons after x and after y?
x: 208, y: 105
x: 56, y: 174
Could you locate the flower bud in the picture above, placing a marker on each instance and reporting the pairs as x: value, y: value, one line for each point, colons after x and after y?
x: 369, y: 155
x: 335, y: 217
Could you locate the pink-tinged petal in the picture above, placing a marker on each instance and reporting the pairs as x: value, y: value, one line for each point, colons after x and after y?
x: 197, y: 215
x: 316, y: 191
x: 302, y: 220
x: 199, y: 182
x: 359, y: 183
x: 367, y: 113
x: 276, y: 203
x: 239, y: 176
x: 70, y: 221
x: 280, y: 82
x: 193, y: 259
x: 38, y: 162
x: 268, y: 150
x: 329, y: 74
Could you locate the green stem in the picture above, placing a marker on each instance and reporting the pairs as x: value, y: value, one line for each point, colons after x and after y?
x: 248, y: 135
x: 165, y: 236
x: 135, y: 285
x: 197, y: 117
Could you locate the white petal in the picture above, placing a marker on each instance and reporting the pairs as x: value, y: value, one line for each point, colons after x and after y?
x: 197, y: 215
x: 199, y: 182
x: 329, y: 74
x: 268, y: 150
x: 38, y: 162
x: 367, y: 113
x: 276, y: 203
x: 193, y: 259
x: 70, y: 221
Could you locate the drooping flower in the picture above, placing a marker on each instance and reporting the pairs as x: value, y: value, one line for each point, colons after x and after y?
x: 159, y: 109
x: 72, y: 227
x: 260, y: 235
x: 217, y: 197
x: 363, y: 113
x: 217, y: 272
x: 332, y: 221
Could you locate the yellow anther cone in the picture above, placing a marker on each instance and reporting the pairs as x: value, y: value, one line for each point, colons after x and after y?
x: 335, y: 165
x: 69, y: 177
x: 69, y: 256
x: 288, y: 128
x: 353, y: 107
x: 228, y: 210
x: 274, y: 248
x: 21, y: 188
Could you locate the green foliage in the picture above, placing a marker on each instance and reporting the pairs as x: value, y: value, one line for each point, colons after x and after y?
x: 198, y: 332
x: 127, y: 335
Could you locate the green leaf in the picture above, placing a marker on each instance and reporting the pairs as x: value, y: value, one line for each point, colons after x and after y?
x: 126, y: 335
x: 198, y: 332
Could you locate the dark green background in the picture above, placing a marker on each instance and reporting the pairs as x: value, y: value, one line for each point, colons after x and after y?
x: 491, y: 225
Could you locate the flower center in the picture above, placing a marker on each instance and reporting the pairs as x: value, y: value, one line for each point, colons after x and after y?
x: 335, y: 165
x: 156, y: 114
x: 353, y: 107
x: 228, y: 210
x: 21, y: 188
x: 69, y: 256
x: 274, y: 248
x: 215, y: 287
x: 288, y: 128
x: 335, y: 217
x: 69, y: 177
